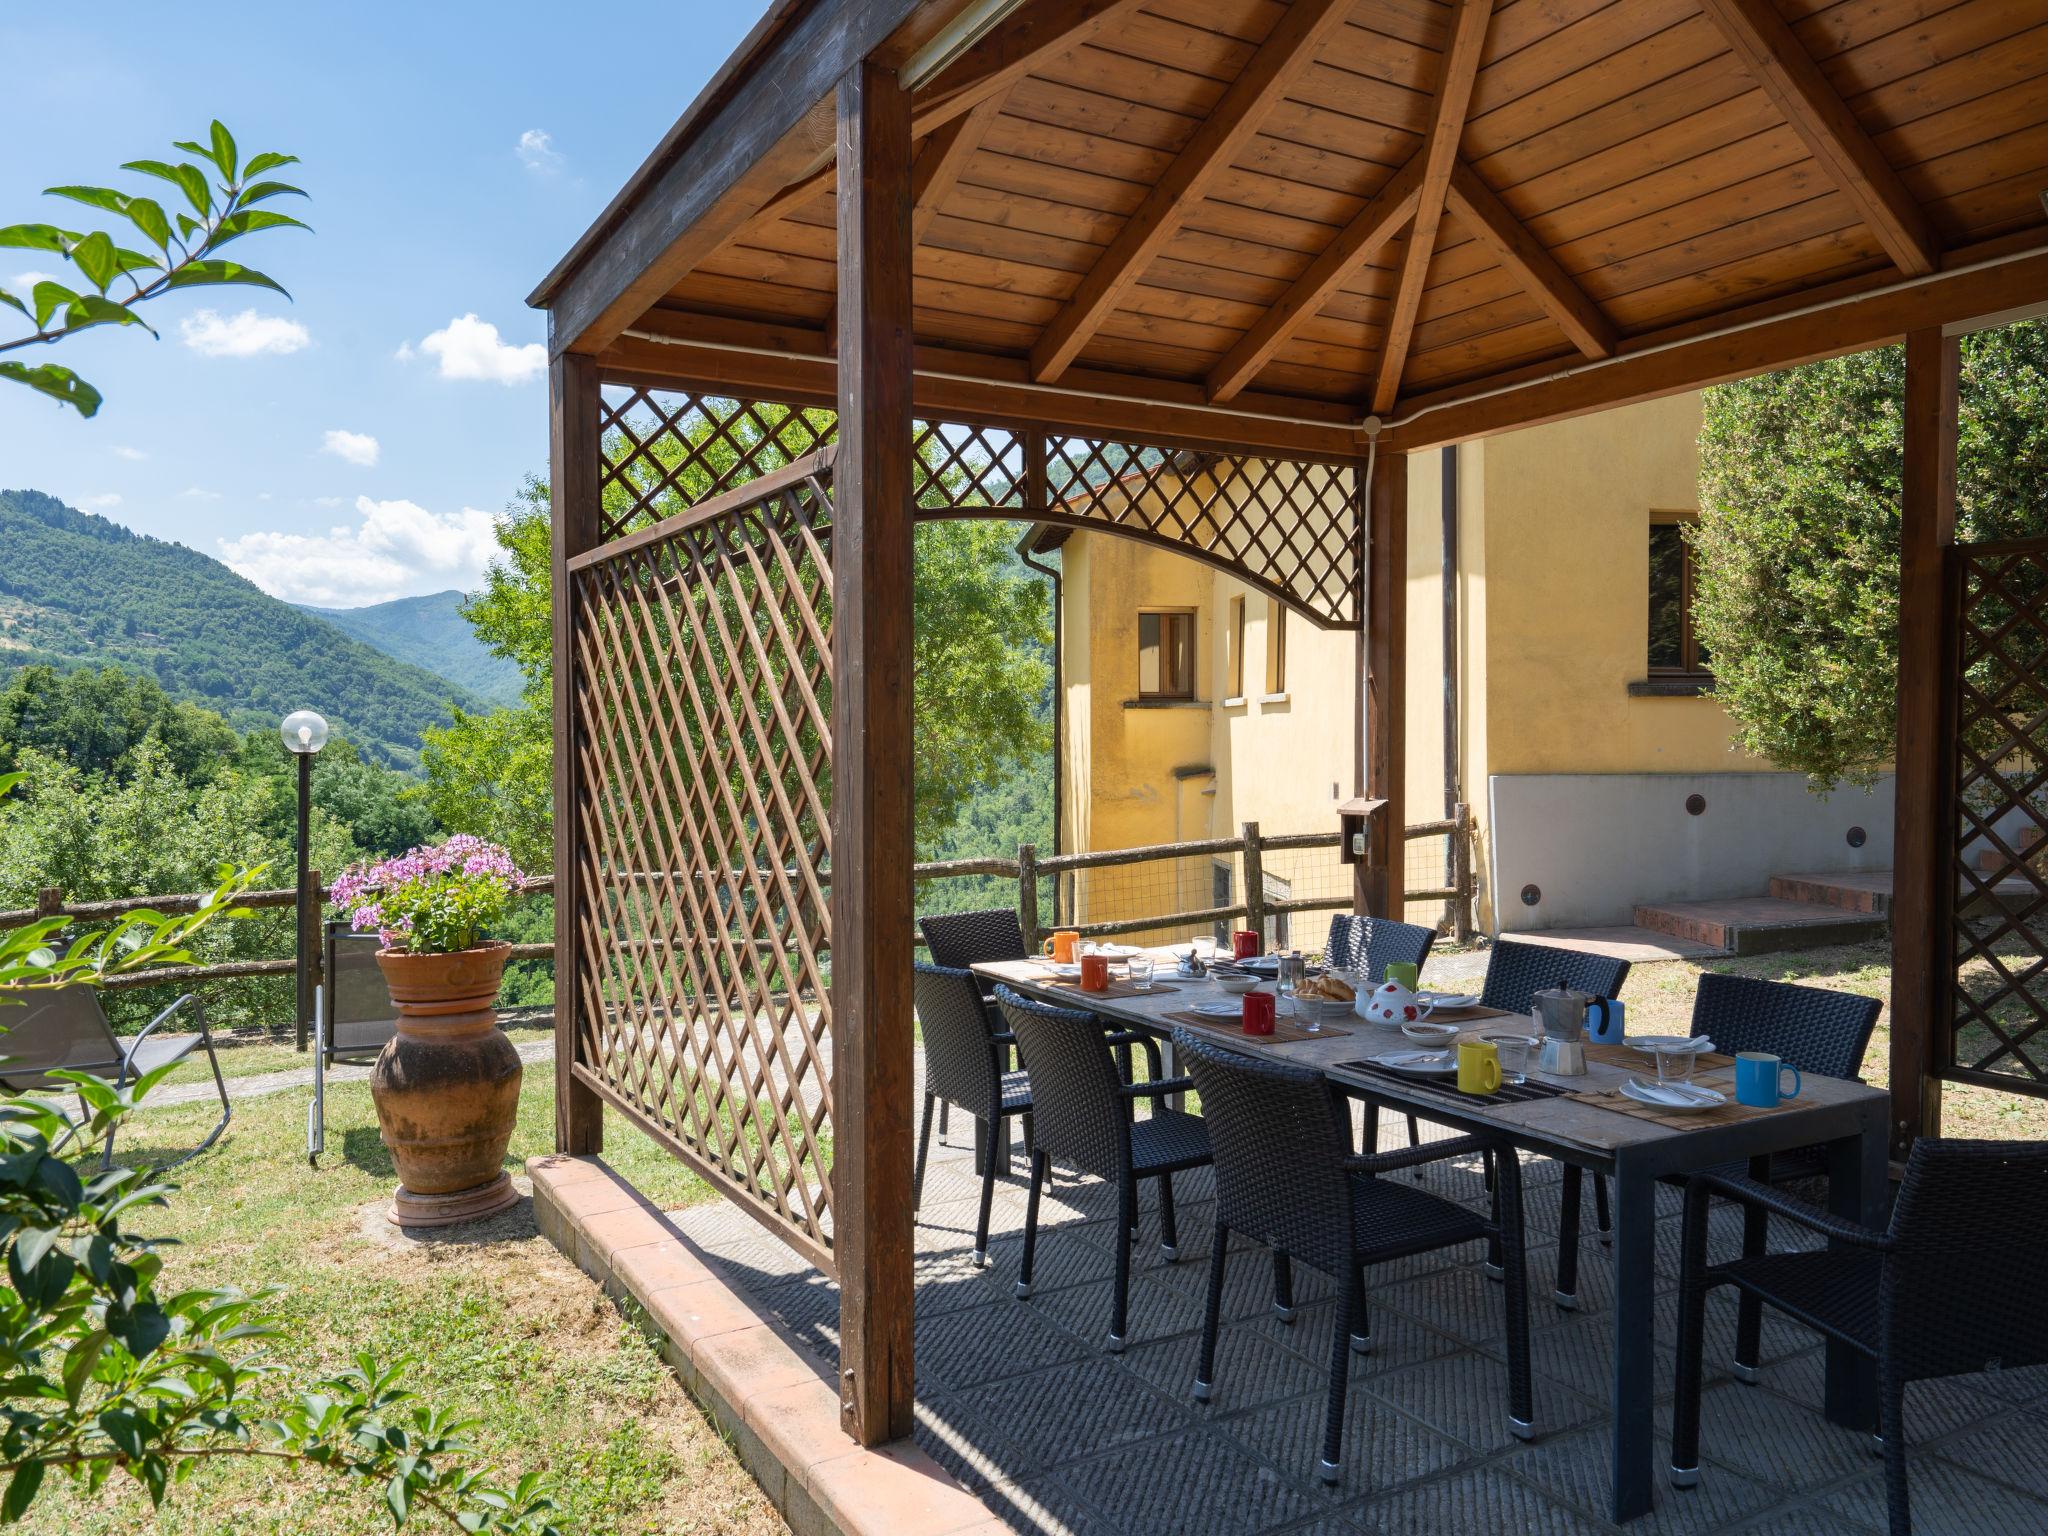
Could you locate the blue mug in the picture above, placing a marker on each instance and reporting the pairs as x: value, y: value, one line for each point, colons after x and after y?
x: 1610, y: 1030
x: 1760, y: 1077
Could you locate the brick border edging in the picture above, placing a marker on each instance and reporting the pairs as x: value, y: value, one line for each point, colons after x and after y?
x: 773, y: 1398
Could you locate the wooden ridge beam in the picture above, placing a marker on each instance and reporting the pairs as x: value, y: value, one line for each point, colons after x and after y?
x: 1533, y: 266
x: 1042, y: 31
x: 1288, y: 49
x: 1781, y: 65
x: 1391, y: 207
x: 1439, y: 155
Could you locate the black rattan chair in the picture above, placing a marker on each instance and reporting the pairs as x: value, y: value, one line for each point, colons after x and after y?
x: 1083, y: 1110
x: 1951, y: 1287
x: 1371, y: 944
x: 966, y: 1063
x: 1822, y: 1033
x: 958, y: 940
x: 1286, y: 1176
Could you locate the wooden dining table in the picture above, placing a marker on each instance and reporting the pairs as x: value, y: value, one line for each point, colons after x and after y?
x: 1846, y: 1118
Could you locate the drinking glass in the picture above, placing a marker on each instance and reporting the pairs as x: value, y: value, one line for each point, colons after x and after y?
x: 1514, y: 1057
x: 1676, y: 1066
x: 1141, y: 972
x: 1287, y: 979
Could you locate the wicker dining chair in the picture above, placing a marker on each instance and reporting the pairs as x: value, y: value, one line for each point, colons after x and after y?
x: 1822, y: 1033
x: 1084, y: 1116
x: 1950, y: 1287
x: 966, y: 1063
x: 1369, y: 945
x: 1286, y: 1177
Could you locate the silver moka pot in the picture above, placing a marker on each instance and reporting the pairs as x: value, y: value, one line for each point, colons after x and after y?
x: 1562, y: 1013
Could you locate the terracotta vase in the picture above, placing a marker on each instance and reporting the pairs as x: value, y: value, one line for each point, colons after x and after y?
x: 446, y: 1086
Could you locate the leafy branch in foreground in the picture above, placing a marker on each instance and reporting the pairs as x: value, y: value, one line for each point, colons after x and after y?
x: 184, y: 253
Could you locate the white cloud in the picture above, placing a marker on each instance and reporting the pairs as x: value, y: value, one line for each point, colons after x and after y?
x: 104, y: 502
x: 395, y: 549
x: 537, y: 152
x: 248, y: 334
x: 329, y: 501
x: 26, y: 281
x: 356, y: 447
x: 132, y: 455
x: 470, y: 348
x: 199, y: 493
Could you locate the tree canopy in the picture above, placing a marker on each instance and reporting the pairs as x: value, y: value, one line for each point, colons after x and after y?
x: 1798, y: 538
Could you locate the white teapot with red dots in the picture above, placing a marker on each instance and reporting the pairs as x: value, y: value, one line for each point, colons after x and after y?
x: 1391, y: 1003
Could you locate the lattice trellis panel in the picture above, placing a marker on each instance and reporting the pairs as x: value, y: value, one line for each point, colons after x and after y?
x: 703, y: 699
x: 1999, y: 1015
x: 1288, y: 527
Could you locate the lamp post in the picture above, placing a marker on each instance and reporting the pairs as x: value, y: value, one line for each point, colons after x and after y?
x: 304, y: 733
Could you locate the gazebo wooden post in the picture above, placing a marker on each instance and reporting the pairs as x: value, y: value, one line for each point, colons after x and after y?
x: 872, y: 854
x: 1379, y: 880
x: 1923, y: 884
x: 573, y: 451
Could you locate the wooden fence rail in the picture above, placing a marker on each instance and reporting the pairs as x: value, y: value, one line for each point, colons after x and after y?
x: 1025, y: 869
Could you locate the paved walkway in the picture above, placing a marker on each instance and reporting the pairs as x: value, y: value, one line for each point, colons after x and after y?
x: 1019, y: 1400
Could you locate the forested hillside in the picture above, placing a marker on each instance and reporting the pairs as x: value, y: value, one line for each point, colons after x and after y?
x: 77, y: 590
x: 431, y: 632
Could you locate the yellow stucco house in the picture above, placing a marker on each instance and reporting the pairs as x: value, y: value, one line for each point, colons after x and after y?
x: 1599, y: 772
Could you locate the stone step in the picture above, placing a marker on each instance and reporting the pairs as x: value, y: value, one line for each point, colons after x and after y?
x: 1750, y: 925
x: 1867, y: 891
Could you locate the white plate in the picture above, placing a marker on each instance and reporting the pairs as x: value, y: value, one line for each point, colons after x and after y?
x: 1118, y: 951
x: 1691, y: 1102
x: 1448, y: 999
x: 1419, y: 1063
x: 1065, y: 972
x: 1219, y: 1010
x: 1423, y: 1030
x: 1326, y: 1007
x: 1666, y: 1045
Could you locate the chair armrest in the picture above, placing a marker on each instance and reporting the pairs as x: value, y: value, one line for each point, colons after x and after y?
x: 134, y: 1046
x: 1750, y: 1191
x: 1413, y: 1157
x: 1003, y: 1037
x: 1158, y: 1088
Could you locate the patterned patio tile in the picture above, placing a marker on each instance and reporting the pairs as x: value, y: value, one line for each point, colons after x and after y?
x: 1155, y: 1311
x: 1248, y: 1284
x: 1767, y: 1437
x: 1382, y: 1449
x: 1154, y: 1487
x: 1947, y: 1500
x: 1042, y: 1506
x: 1485, y: 1500
x: 2013, y: 1450
x: 983, y: 1344
x: 1808, y: 1520
x: 1575, y: 1469
x: 1466, y: 1397
x: 963, y: 1442
x: 1462, y: 1302
x: 1053, y: 1417
x: 809, y: 1307
x: 1250, y: 1370
x: 2026, y: 1385
x: 1933, y: 1408
x: 947, y: 1282
x: 1398, y: 1341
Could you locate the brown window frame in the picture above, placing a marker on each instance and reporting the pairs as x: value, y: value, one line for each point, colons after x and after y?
x: 1690, y: 664
x: 1177, y: 688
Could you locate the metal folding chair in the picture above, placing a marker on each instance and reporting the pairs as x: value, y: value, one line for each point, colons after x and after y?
x: 67, y: 1031
x: 352, y: 1018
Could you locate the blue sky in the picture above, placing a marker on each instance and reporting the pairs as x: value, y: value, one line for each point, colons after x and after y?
x: 453, y: 152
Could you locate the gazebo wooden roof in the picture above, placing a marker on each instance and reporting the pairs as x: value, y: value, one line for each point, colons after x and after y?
x: 1306, y: 214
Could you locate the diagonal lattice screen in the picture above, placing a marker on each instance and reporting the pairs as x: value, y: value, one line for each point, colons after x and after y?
x: 1999, y: 1018
x: 1287, y: 527
x: 703, y: 699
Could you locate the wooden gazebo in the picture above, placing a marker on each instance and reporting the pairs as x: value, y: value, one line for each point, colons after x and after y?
x: 909, y: 258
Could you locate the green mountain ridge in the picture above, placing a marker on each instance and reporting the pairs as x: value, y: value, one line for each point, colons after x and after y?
x: 77, y: 590
x: 431, y: 633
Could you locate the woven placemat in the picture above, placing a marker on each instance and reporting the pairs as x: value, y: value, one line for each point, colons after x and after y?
x: 1285, y: 1031
x: 1730, y: 1113
x: 1114, y: 989
x: 1630, y: 1059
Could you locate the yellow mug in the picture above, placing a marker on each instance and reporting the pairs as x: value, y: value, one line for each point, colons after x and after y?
x: 1478, y: 1066
x: 1061, y: 946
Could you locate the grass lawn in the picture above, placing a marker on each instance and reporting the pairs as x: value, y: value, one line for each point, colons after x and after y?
x: 501, y: 1326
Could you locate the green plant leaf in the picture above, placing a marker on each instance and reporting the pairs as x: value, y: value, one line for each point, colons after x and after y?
x: 224, y: 153
x: 92, y: 197
x: 49, y: 298
x: 37, y: 237
x: 21, y: 1491
x: 79, y: 1363
x: 147, y: 215
x: 267, y: 189
x: 94, y: 256
x: 248, y: 221
x: 269, y: 160
x: 187, y: 178
x: 201, y: 273
x: 94, y: 309
x: 59, y: 383
x: 12, y: 302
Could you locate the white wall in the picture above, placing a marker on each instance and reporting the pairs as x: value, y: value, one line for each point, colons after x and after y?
x: 1599, y: 843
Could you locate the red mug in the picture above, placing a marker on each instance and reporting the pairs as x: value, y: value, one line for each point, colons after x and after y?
x: 1259, y: 1013
x: 1245, y: 945
x: 1095, y: 973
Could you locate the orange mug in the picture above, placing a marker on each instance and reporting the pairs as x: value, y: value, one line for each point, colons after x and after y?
x: 1095, y: 973
x: 1061, y: 946
x: 1245, y: 945
x: 1259, y: 1013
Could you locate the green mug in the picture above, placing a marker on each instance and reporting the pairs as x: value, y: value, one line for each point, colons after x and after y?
x: 1403, y: 974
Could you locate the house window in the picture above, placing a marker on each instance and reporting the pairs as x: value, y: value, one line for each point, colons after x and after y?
x: 1166, y: 655
x: 1222, y: 880
x: 1276, y: 922
x: 1233, y: 650
x: 1276, y: 646
x: 1675, y: 649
